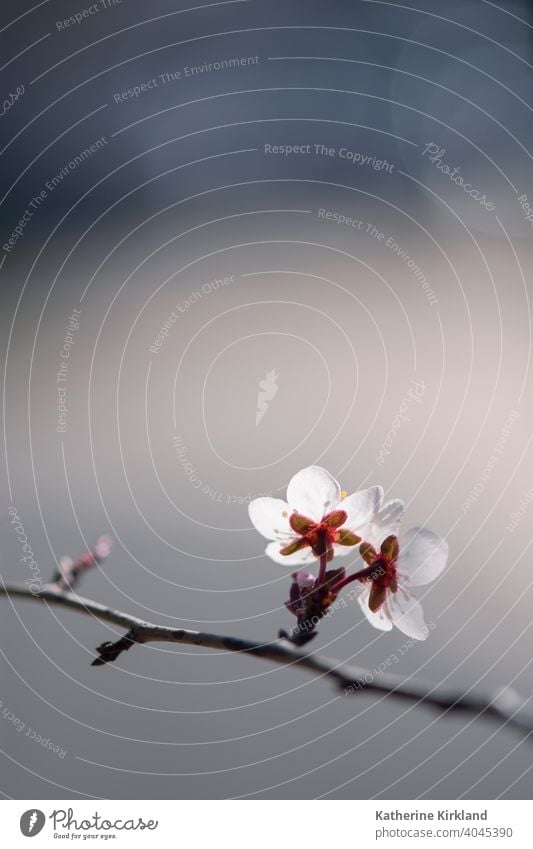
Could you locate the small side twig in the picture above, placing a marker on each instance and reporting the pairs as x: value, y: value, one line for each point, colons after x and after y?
x: 109, y: 651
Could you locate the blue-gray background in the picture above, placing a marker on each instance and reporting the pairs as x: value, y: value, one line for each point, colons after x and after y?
x: 181, y: 194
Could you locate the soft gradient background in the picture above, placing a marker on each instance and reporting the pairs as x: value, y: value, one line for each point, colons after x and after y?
x: 183, y: 194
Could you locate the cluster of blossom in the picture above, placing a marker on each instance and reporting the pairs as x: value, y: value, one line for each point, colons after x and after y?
x: 319, y: 522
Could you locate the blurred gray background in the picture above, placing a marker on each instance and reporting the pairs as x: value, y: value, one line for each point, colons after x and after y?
x: 180, y: 210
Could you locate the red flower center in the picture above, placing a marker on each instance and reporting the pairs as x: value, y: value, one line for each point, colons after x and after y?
x: 320, y: 536
x: 381, y: 571
x: 384, y: 574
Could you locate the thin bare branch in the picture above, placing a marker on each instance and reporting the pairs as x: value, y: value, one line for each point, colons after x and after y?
x: 506, y: 705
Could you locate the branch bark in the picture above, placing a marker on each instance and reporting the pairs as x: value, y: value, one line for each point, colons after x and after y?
x: 505, y: 705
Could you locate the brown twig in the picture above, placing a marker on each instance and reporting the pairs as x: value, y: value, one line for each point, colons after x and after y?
x: 506, y: 704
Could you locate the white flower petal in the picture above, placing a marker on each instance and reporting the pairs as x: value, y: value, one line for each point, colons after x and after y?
x: 407, y: 614
x: 305, y: 555
x: 361, y: 508
x: 386, y: 522
x: 423, y: 556
x: 270, y: 516
x: 343, y: 550
x: 381, y: 619
x: 390, y: 516
x: 313, y: 492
